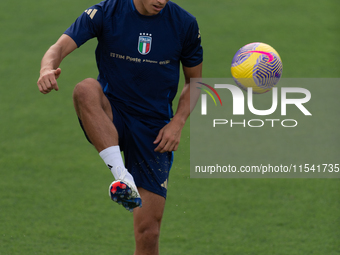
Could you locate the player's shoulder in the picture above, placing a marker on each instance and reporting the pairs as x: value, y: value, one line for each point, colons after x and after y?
x: 181, y: 18
x: 177, y: 12
x: 109, y: 6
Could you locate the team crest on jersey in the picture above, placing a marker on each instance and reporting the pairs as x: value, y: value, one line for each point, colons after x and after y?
x: 144, y: 43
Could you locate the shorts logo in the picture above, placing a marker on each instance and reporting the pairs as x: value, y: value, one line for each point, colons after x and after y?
x: 165, y: 184
x: 144, y: 43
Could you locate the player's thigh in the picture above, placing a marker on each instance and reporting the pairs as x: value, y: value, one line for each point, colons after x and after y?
x: 149, y: 216
x: 90, y: 93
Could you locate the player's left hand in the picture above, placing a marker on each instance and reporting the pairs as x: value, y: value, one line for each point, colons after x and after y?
x: 169, y: 137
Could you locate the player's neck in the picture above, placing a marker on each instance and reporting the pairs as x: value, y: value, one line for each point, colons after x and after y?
x: 148, y: 7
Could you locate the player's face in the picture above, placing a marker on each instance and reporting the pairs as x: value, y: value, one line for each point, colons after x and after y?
x: 150, y: 7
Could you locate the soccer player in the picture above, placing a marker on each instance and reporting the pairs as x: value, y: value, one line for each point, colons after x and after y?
x: 128, y: 108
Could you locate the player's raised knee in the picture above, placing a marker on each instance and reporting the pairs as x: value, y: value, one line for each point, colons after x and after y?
x: 85, y: 88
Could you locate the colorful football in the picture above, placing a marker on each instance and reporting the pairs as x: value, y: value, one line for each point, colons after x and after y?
x: 256, y: 65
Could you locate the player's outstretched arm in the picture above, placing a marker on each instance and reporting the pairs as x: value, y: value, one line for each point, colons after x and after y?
x: 169, y: 136
x: 50, y: 71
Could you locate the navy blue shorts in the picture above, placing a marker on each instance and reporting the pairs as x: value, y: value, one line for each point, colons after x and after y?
x: 149, y: 169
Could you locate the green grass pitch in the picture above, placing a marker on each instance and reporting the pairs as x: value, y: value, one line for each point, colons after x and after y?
x: 53, y: 184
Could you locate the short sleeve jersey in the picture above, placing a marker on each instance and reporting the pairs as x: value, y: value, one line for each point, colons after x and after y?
x: 138, y: 57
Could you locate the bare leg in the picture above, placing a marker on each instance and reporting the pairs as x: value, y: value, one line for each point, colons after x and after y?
x: 94, y: 110
x: 147, y: 223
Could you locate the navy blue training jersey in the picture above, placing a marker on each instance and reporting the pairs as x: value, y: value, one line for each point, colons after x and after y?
x: 138, y: 57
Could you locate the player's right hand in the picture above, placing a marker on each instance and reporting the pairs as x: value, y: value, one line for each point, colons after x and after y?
x: 48, y: 81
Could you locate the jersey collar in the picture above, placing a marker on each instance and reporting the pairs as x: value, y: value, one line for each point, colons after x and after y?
x: 135, y: 10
